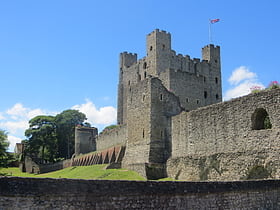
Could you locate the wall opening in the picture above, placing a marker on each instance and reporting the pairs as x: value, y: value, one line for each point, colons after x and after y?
x: 144, y: 65
x: 161, y: 97
x: 143, y: 133
x: 216, y: 80
x: 260, y: 120
x: 151, y: 48
x: 217, y: 96
x: 145, y: 74
x: 205, y: 94
x: 143, y: 97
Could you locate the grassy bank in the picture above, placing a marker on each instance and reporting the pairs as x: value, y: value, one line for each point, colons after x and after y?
x: 80, y: 172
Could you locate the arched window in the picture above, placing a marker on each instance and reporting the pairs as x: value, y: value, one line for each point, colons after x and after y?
x: 260, y: 120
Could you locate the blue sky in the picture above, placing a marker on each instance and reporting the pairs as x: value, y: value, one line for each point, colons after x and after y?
x: 57, y: 55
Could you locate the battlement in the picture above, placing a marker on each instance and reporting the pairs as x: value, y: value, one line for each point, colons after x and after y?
x: 159, y: 31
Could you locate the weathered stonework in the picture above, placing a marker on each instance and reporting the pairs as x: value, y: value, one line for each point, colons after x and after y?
x: 85, y: 139
x: 35, y: 193
x: 220, y: 140
x: 171, y: 120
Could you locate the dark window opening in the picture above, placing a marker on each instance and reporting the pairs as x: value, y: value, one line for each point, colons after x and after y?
x: 260, y: 120
x: 151, y: 48
x: 187, y: 100
x: 145, y: 74
x: 128, y: 82
x: 204, y: 79
x: 205, y: 94
x: 163, y: 47
x: 161, y: 134
x: 145, y: 65
x: 216, y: 80
x: 143, y: 133
x: 161, y: 97
x: 197, y: 101
x: 217, y: 96
x: 216, y: 61
x: 143, y: 98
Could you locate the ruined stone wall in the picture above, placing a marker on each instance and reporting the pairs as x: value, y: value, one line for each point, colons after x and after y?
x: 36, y: 193
x: 85, y: 139
x: 219, y: 142
x: 112, y: 137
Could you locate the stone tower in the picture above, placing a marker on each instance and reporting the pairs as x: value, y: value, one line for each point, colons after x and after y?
x: 154, y: 89
x: 196, y: 82
x: 85, y: 139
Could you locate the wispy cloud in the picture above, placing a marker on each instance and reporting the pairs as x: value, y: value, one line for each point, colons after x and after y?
x: 97, y: 116
x: 241, y: 80
x: 241, y: 74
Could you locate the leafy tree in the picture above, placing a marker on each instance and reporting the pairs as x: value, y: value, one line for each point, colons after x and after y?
x: 66, y: 122
x: 42, y: 140
x: 4, y: 144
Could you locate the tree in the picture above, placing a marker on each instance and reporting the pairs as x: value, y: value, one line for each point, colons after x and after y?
x: 42, y: 140
x: 66, y: 122
x: 4, y: 144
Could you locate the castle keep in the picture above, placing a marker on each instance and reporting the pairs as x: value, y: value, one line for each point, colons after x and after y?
x: 171, y: 121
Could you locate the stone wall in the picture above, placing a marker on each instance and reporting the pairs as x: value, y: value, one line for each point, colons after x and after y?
x: 36, y: 193
x: 85, y: 139
x: 223, y: 141
x: 112, y: 137
x: 30, y: 166
x: 150, y: 107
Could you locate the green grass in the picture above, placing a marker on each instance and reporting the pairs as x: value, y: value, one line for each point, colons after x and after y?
x: 80, y: 172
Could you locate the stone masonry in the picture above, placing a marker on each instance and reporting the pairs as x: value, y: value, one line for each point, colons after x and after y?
x: 36, y: 193
x: 172, y: 121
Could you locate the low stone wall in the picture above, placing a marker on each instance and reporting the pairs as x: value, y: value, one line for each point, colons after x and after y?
x: 37, y: 193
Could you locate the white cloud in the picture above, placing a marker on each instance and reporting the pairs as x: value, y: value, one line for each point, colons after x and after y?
x: 102, y: 116
x: 241, y: 81
x: 13, y: 140
x: 2, y: 116
x: 15, y: 119
x: 15, y: 126
x: 240, y: 74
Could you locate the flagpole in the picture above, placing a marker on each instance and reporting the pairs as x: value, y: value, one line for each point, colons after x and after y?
x: 210, y: 32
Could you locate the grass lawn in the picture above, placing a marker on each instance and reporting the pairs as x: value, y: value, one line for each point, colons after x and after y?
x: 80, y: 172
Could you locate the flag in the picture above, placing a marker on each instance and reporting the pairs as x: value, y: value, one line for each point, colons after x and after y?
x: 214, y: 21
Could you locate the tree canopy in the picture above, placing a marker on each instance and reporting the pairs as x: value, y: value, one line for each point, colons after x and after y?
x: 42, y: 138
x: 66, y: 122
x: 53, y: 137
x: 4, y: 144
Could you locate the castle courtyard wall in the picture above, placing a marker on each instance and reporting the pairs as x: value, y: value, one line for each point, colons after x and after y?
x: 218, y: 142
x: 112, y: 137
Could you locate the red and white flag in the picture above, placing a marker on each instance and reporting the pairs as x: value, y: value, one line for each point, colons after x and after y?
x: 214, y: 21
